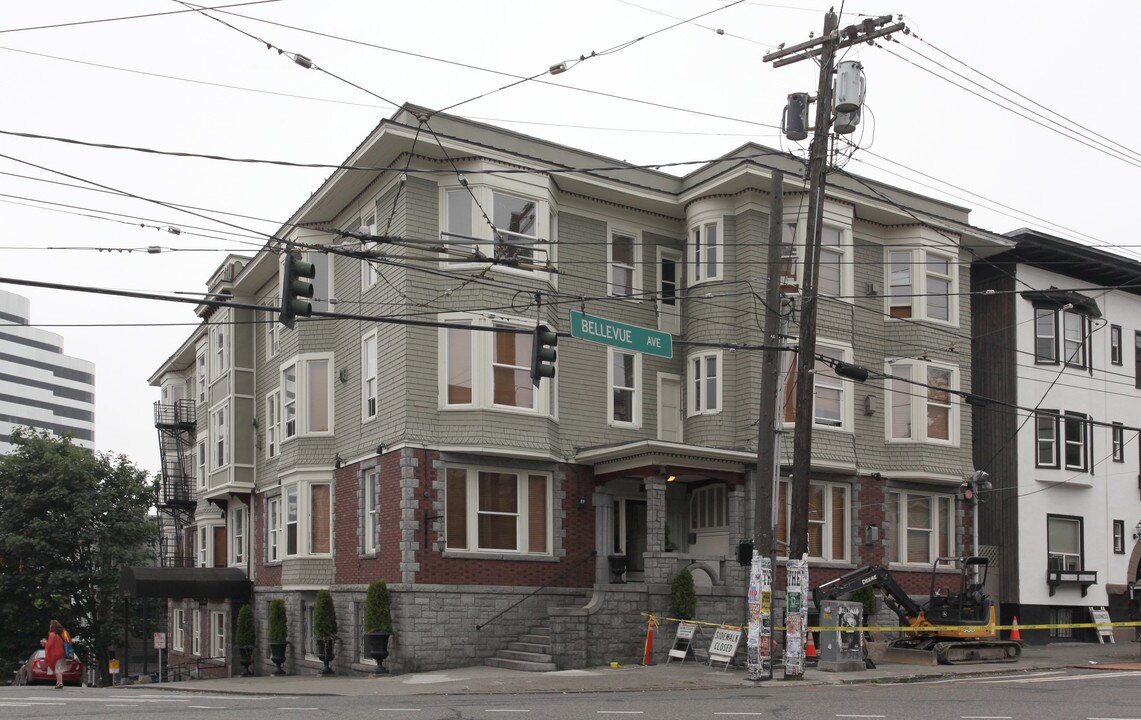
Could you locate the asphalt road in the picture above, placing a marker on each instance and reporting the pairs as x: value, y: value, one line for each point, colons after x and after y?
x: 1053, y: 695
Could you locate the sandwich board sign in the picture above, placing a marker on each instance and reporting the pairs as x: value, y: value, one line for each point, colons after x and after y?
x: 682, y: 641
x: 1100, y: 615
x: 724, y: 645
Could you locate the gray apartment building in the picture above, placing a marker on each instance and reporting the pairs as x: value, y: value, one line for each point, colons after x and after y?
x: 40, y: 386
x: 397, y: 433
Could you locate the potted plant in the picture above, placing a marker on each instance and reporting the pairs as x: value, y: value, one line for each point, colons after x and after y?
x: 377, y: 622
x: 325, y: 629
x: 245, y: 638
x: 683, y: 596
x: 278, y: 634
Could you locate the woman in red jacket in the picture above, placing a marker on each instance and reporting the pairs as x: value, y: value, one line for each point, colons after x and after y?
x: 53, y: 652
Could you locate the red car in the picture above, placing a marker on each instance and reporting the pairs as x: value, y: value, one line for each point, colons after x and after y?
x: 35, y: 671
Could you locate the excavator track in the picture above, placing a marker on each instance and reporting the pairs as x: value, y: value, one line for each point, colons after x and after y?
x: 977, y: 651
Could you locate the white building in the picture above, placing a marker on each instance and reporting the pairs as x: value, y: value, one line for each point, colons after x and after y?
x: 1058, y: 345
x: 39, y: 385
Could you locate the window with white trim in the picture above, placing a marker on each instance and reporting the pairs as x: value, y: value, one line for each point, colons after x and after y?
x: 370, y: 511
x: 920, y: 406
x: 218, y: 432
x: 1061, y: 335
x: 272, y: 423
x: 832, y: 399
x: 1118, y: 441
x: 305, y: 525
x: 709, y: 508
x: 705, y: 372
x: 519, y: 233
x: 1115, y: 344
x: 218, y: 339
x: 237, y: 517
x: 370, y: 271
x: 789, y: 261
x: 623, y: 262
x: 921, y: 285
x: 218, y: 635
x: 307, y: 387
x: 196, y: 632
x: 272, y: 332
x: 178, y: 630
x: 706, y: 250
x: 273, y: 526
x: 624, y: 380
x: 489, y: 370
x: 1046, y: 423
x: 368, y: 376
x: 1064, y: 542
x: 202, y: 454
x: 497, y: 510
x: 203, y: 546
x: 920, y: 527
x: 833, y: 258
x: 1119, y: 537
x: 829, y: 519
x: 202, y: 377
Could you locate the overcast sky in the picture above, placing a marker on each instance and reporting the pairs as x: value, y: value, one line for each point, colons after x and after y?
x: 187, y: 83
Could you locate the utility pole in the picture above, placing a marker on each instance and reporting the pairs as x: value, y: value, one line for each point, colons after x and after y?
x: 797, y: 570
x: 759, y: 643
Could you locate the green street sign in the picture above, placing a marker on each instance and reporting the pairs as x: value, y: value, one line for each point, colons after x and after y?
x: 621, y: 335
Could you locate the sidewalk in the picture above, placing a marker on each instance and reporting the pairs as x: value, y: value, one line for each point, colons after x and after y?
x: 483, y: 679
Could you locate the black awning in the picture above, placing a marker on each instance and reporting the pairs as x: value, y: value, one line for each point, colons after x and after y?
x: 176, y: 582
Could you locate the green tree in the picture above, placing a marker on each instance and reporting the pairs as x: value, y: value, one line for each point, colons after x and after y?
x: 683, y: 595
x: 70, y: 520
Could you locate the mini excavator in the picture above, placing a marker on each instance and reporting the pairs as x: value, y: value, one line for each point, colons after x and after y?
x: 957, y: 627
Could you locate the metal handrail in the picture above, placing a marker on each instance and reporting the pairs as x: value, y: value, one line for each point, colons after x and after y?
x: 480, y: 626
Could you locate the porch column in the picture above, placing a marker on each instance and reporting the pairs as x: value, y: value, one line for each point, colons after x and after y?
x: 739, y: 530
x: 603, y: 534
x: 657, y: 567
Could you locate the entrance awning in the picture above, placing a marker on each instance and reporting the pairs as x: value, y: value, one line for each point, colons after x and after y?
x: 176, y: 582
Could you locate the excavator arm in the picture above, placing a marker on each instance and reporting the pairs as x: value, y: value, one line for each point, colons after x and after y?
x: 875, y: 576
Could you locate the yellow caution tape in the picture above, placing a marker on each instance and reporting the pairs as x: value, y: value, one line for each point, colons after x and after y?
x: 922, y: 629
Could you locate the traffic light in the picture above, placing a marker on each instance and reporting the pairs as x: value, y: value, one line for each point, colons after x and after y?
x: 543, y: 353
x: 967, y: 490
x: 974, y: 489
x: 296, y: 289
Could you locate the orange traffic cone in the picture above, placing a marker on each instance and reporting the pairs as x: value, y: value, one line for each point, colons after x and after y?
x: 1014, y: 634
x: 810, y: 649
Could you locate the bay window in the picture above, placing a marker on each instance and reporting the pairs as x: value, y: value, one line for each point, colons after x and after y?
x: 272, y: 423
x: 832, y: 400
x: 499, y: 511
x: 517, y: 236
x: 921, y: 284
x: 273, y: 525
x: 237, y: 525
x: 705, y: 373
x: 307, y: 395
x: 299, y: 522
x: 920, y: 406
x: 829, y: 519
x: 488, y: 370
x: 705, y: 252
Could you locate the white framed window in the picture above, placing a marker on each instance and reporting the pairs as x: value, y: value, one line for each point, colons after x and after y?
x: 920, y: 527
x: 669, y: 297
x: 920, y: 406
x: 237, y: 524
x: 705, y: 371
x: 203, y: 546
x: 370, y: 511
x: 178, y: 630
x: 307, y: 396
x: 1045, y: 336
x: 1046, y: 423
x: 1076, y: 432
x: 219, y: 341
x: 1064, y: 542
x: 624, y: 264
x: 306, y: 519
x: 497, y: 510
x: 829, y: 519
x: 789, y: 260
x: 832, y: 399
x: 368, y: 376
x: 706, y: 252
x: 624, y: 381
x: 218, y: 635
x: 272, y: 332
x: 1075, y: 331
x: 921, y: 285
x: 218, y: 432
x: 1119, y: 537
x: 203, y: 380
x: 272, y: 423
x: 833, y: 262
x: 202, y: 455
x: 1115, y: 344
x: 1061, y: 335
x: 196, y: 632
x: 489, y: 370
x: 273, y: 527
x: 370, y: 271
x: 1117, y: 440
x: 518, y: 236
x: 709, y: 509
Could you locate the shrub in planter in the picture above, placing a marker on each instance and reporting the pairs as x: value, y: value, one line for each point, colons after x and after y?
x: 245, y: 638
x: 325, y: 629
x: 683, y: 596
x: 278, y: 632
x: 378, y: 622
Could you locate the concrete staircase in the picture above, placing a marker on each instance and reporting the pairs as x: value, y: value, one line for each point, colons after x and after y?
x: 532, y: 652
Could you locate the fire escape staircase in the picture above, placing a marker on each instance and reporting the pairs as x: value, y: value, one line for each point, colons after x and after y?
x: 177, y: 426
